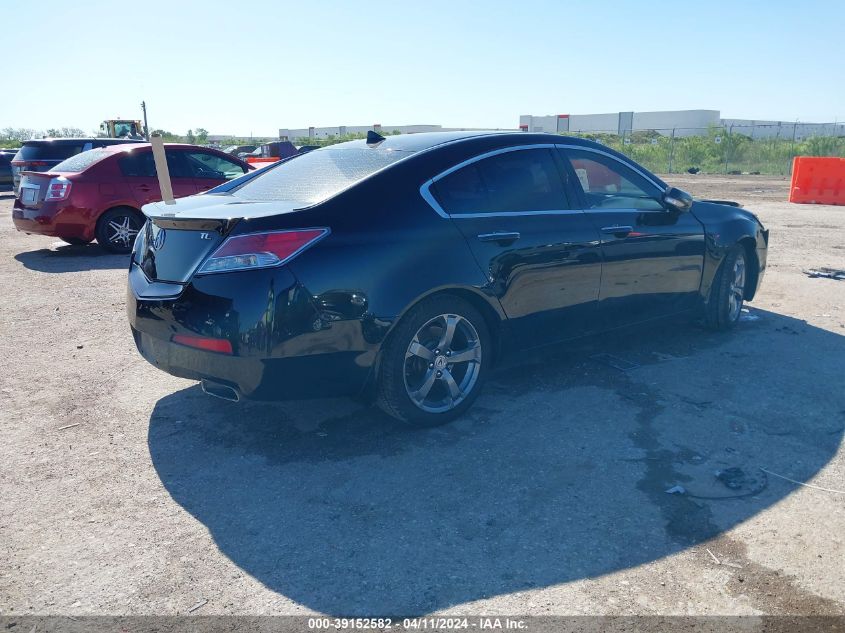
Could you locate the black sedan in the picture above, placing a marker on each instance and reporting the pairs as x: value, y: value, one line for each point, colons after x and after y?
x: 403, y: 267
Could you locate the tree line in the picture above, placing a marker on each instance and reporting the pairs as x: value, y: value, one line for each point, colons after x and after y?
x: 14, y: 137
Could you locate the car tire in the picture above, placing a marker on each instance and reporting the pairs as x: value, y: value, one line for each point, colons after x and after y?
x: 117, y: 228
x: 419, y: 382
x: 75, y: 241
x: 727, y: 293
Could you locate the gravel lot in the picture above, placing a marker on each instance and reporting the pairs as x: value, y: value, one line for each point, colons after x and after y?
x: 127, y: 491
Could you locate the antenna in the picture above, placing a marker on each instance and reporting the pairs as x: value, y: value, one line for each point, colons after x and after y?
x: 373, y: 137
x: 146, y: 127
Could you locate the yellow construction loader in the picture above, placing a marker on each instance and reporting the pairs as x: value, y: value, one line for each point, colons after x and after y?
x: 121, y: 128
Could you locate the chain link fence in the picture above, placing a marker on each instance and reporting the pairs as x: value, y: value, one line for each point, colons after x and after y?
x: 732, y: 149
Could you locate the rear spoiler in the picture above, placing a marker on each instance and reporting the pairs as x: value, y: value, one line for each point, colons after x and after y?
x: 194, y: 224
x: 29, y: 172
x: 161, y: 215
x: 168, y: 220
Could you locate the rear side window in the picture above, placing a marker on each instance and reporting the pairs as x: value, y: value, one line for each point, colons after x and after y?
x: 138, y: 165
x: 213, y: 167
x: 49, y: 151
x: 512, y: 182
x: 82, y: 161
x: 316, y: 176
x: 142, y: 165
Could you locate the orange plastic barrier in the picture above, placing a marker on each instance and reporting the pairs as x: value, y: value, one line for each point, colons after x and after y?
x: 818, y: 180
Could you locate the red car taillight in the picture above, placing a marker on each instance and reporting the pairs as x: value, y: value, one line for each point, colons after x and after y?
x: 261, y: 250
x: 26, y: 164
x: 58, y: 189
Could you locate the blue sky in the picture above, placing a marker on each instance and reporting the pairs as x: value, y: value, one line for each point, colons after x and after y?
x: 255, y: 66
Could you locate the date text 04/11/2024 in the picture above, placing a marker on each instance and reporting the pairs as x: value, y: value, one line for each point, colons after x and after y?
x: 417, y: 624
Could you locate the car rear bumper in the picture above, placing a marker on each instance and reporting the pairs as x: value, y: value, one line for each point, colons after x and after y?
x: 64, y: 222
x: 283, y: 348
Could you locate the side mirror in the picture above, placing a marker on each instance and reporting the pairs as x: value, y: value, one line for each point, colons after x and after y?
x: 677, y: 199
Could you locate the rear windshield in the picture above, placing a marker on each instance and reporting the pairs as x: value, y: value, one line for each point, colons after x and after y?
x: 316, y: 176
x: 82, y: 161
x: 49, y: 151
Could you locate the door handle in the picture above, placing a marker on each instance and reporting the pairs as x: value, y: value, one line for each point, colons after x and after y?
x: 144, y: 187
x: 618, y: 231
x: 502, y: 237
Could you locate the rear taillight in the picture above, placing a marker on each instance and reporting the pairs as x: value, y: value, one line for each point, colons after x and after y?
x: 261, y: 250
x: 58, y: 189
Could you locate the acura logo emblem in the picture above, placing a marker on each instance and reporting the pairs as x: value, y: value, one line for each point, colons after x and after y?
x: 158, y: 240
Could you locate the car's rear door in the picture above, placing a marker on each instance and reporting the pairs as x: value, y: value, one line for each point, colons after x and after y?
x: 653, y: 254
x: 138, y: 169
x: 541, y: 257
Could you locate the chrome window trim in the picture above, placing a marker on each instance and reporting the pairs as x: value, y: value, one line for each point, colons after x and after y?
x: 425, y: 188
x: 515, y: 214
x: 409, y: 155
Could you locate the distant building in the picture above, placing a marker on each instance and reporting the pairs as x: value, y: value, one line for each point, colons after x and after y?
x: 287, y: 134
x: 673, y: 122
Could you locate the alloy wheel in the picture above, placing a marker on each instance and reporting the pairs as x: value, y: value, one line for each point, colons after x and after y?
x: 442, y: 363
x: 122, y: 230
x: 736, y: 291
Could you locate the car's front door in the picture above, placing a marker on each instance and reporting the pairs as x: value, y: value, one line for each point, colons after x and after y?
x: 653, y: 254
x: 541, y: 257
x: 210, y: 169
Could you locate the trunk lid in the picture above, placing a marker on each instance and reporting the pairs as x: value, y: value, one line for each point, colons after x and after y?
x: 171, y: 250
x: 33, y: 188
x: 178, y: 237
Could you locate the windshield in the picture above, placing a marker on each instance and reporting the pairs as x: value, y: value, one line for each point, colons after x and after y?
x: 82, y: 161
x: 318, y: 175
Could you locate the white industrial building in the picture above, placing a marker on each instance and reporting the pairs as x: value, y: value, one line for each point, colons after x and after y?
x: 666, y: 122
x: 674, y: 123
x: 286, y: 134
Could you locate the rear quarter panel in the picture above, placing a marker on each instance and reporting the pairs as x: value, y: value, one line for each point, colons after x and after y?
x: 387, y: 250
x: 108, y: 187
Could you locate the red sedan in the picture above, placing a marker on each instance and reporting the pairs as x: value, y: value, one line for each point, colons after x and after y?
x: 98, y: 194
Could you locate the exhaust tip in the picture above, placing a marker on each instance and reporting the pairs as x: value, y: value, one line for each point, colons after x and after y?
x: 218, y: 390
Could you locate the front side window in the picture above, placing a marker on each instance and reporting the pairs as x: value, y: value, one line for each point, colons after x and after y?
x: 214, y: 167
x: 517, y: 181
x: 609, y: 184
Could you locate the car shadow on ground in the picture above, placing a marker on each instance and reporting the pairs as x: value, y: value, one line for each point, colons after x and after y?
x: 67, y: 258
x: 560, y: 471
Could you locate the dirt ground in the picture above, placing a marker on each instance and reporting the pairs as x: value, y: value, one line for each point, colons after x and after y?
x: 127, y: 491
